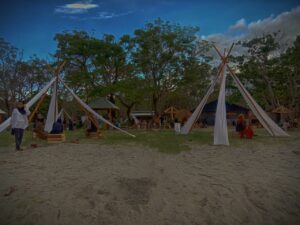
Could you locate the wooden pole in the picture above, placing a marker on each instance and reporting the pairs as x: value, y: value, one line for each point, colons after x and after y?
x: 36, y: 108
x: 91, y: 118
x: 55, y: 105
x: 110, y: 115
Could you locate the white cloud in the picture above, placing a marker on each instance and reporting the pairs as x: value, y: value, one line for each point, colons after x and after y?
x: 287, y: 23
x: 102, y: 16
x: 222, y: 42
x: 239, y: 25
x: 77, y: 7
x: 108, y: 15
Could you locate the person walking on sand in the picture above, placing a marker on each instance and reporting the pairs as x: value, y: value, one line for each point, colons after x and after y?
x: 19, y: 122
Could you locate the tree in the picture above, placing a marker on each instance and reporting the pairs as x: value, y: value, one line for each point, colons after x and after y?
x: 9, y: 62
x: 257, y: 68
x: 80, y: 51
x: 288, y: 69
x: 160, y: 53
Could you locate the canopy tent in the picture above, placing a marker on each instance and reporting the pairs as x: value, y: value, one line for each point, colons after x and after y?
x: 220, y: 128
x: 232, y: 111
x: 53, y: 109
x: 211, y: 107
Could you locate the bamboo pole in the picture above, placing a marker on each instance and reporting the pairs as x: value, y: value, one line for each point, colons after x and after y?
x: 36, y: 108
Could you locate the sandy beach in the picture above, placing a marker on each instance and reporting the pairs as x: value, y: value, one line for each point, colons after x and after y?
x: 132, y: 185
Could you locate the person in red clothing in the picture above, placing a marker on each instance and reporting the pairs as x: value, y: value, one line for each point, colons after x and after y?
x: 249, y: 132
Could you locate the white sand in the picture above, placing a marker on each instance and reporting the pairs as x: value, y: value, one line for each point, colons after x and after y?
x: 92, y: 184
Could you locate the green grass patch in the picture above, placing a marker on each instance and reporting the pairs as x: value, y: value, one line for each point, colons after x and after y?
x: 165, y: 141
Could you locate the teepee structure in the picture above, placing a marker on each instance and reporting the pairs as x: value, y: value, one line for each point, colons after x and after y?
x: 220, y: 128
x: 53, y: 114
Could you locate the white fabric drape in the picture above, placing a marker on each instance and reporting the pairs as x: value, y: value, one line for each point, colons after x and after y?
x: 7, y: 122
x: 52, y: 111
x: 196, y: 114
x: 61, y: 115
x: 260, y: 114
x: 88, y: 108
x: 220, y: 128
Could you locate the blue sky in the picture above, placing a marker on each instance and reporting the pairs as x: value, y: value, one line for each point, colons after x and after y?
x: 31, y: 24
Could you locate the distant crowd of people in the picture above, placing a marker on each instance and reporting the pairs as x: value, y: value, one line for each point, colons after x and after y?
x: 288, y: 123
x: 19, y: 122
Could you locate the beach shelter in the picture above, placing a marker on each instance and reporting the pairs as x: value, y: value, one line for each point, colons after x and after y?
x: 103, y: 104
x: 171, y: 111
x: 220, y: 128
x: 281, y: 110
x: 53, y: 107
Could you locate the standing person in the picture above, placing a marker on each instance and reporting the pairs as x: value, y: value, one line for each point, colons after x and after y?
x: 285, y: 125
x: 249, y: 132
x: 241, y: 125
x: 71, y: 124
x: 295, y: 123
x: 19, y: 122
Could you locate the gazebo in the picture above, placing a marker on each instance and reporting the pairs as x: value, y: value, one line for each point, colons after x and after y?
x: 103, y: 104
x: 281, y: 110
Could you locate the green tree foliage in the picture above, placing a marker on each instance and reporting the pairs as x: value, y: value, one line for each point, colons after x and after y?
x: 161, y: 53
x: 272, y: 78
x: 19, y: 79
x: 160, y: 65
x: 80, y: 51
x: 257, y: 68
x: 288, y: 69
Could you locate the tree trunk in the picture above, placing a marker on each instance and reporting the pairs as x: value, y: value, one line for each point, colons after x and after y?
x: 128, y: 108
x: 273, y: 99
x: 7, y: 104
x: 155, y: 104
x: 128, y: 112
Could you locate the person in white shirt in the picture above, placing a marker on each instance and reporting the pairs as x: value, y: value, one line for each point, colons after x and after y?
x: 19, y: 122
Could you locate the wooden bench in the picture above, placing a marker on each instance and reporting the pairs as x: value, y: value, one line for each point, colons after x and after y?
x: 94, y: 135
x: 56, y: 138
